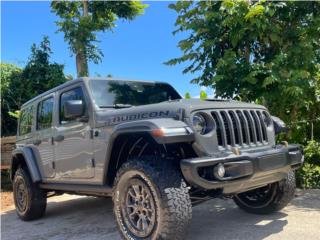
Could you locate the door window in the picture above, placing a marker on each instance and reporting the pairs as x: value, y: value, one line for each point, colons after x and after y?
x: 26, y: 117
x: 44, y: 114
x: 74, y: 94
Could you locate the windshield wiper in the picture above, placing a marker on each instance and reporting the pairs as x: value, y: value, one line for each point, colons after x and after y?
x: 117, y: 105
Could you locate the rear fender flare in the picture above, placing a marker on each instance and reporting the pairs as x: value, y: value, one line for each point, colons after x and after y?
x: 30, y: 161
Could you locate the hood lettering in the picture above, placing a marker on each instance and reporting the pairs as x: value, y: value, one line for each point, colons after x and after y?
x: 137, y: 116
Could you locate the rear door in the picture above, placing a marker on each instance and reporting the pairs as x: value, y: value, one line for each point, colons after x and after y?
x: 73, y: 141
x: 43, y: 141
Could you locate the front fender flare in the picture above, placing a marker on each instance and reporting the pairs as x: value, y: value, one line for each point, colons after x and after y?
x: 147, y: 127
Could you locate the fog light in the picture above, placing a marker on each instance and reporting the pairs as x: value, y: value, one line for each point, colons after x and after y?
x: 219, y: 171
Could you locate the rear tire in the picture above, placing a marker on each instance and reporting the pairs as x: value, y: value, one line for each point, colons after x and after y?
x: 29, y: 199
x: 155, y: 192
x: 268, y: 199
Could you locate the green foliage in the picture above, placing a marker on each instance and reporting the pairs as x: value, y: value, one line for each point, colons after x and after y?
x: 20, y: 85
x: 9, y: 74
x: 81, y: 20
x: 260, y: 51
x: 7, y: 71
x: 264, y: 52
x: 308, y: 176
x: 187, y: 95
x: 203, y: 95
x: 40, y: 75
x: 15, y: 114
x: 312, y: 152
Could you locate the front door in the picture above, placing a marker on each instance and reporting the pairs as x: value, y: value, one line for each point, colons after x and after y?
x: 72, y: 140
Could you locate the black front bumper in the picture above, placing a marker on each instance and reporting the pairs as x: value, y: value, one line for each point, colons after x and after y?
x: 246, y: 171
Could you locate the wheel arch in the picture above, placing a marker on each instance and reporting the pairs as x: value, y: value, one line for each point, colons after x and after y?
x: 24, y: 156
x: 133, y: 141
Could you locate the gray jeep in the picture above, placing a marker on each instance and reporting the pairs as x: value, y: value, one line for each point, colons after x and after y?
x: 155, y: 153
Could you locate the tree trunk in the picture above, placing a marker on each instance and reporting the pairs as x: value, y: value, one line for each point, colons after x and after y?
x: 82, y: 64
x: 85, y: 8
x: 81, y: 59
x: 247, y: 53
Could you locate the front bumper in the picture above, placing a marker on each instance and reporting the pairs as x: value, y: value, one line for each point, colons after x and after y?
x: 243, y: 172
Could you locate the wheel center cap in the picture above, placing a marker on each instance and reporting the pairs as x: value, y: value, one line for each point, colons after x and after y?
x: 140, y: 207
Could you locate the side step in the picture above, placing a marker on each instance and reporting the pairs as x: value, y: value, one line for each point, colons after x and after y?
x: 95, y: 190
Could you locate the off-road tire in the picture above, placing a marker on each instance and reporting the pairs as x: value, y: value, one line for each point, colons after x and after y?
x: 173, y: 210
x: 282, y: 193
x: 35, y: 199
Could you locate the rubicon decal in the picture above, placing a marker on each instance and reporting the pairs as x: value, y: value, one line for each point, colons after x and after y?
x: 137, y: 116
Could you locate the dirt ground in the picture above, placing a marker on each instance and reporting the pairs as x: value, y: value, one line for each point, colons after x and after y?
x: 6, y: 200
x: 83, y: 218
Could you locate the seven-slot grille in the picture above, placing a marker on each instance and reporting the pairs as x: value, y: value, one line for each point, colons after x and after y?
x: 240, y: 127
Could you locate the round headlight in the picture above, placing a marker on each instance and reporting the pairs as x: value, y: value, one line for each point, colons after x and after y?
x: 199, y: 123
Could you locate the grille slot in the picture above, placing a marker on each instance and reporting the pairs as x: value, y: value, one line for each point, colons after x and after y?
x: 236, y: 127
x: 263, y: 126
x: 240, y: 127
x: 253, y: 137
x: 227, y: 127
x: 218, y: 128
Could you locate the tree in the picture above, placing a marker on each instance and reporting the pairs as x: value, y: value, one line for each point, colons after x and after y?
x: 40, y: 75
x: 187, y: 95
x: 9, y: 73
x: 20, y: 85
x: 203, y: 95
x: 81, y: 20
x: 264, y: 51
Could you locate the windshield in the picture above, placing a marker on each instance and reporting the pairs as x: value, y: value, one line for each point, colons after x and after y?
x: 109, y: 93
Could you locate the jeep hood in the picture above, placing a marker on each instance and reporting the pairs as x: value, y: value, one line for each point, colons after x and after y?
x: 198, y: 104
x: 168, y: 109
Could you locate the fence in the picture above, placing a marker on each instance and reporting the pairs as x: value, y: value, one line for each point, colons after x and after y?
x: 7, y: 145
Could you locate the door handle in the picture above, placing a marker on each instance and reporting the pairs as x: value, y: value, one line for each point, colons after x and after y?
x: 58, y: 138
x: 37, y: 142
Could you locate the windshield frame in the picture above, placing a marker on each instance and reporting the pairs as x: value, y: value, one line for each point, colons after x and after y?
x: 116, y: 106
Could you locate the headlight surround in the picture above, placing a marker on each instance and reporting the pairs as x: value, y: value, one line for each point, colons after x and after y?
x: 199, y: 123
x: 267, y: 119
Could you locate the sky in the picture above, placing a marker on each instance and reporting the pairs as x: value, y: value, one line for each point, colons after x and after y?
x: 134, y: 50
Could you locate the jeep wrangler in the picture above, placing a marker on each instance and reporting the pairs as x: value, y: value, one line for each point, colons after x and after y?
x: 155, y: 153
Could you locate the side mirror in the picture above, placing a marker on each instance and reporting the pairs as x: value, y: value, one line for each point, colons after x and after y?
x: 73, y: 109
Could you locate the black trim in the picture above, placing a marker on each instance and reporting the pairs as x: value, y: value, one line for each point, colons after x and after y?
x: 30, y: 161
x: 129, y: 129
x: 78, y: 188
x: 249, y: 170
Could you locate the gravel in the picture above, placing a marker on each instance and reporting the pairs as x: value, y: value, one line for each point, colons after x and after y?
x: 79, y: 218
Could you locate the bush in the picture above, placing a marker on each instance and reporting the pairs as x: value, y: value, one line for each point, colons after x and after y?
x: 309, y: 175
x: 312, y: 152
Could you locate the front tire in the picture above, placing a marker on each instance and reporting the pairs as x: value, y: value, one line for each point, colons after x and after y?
x: 30, y: 201
x: 151, y: 200
x: 268, y: 199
